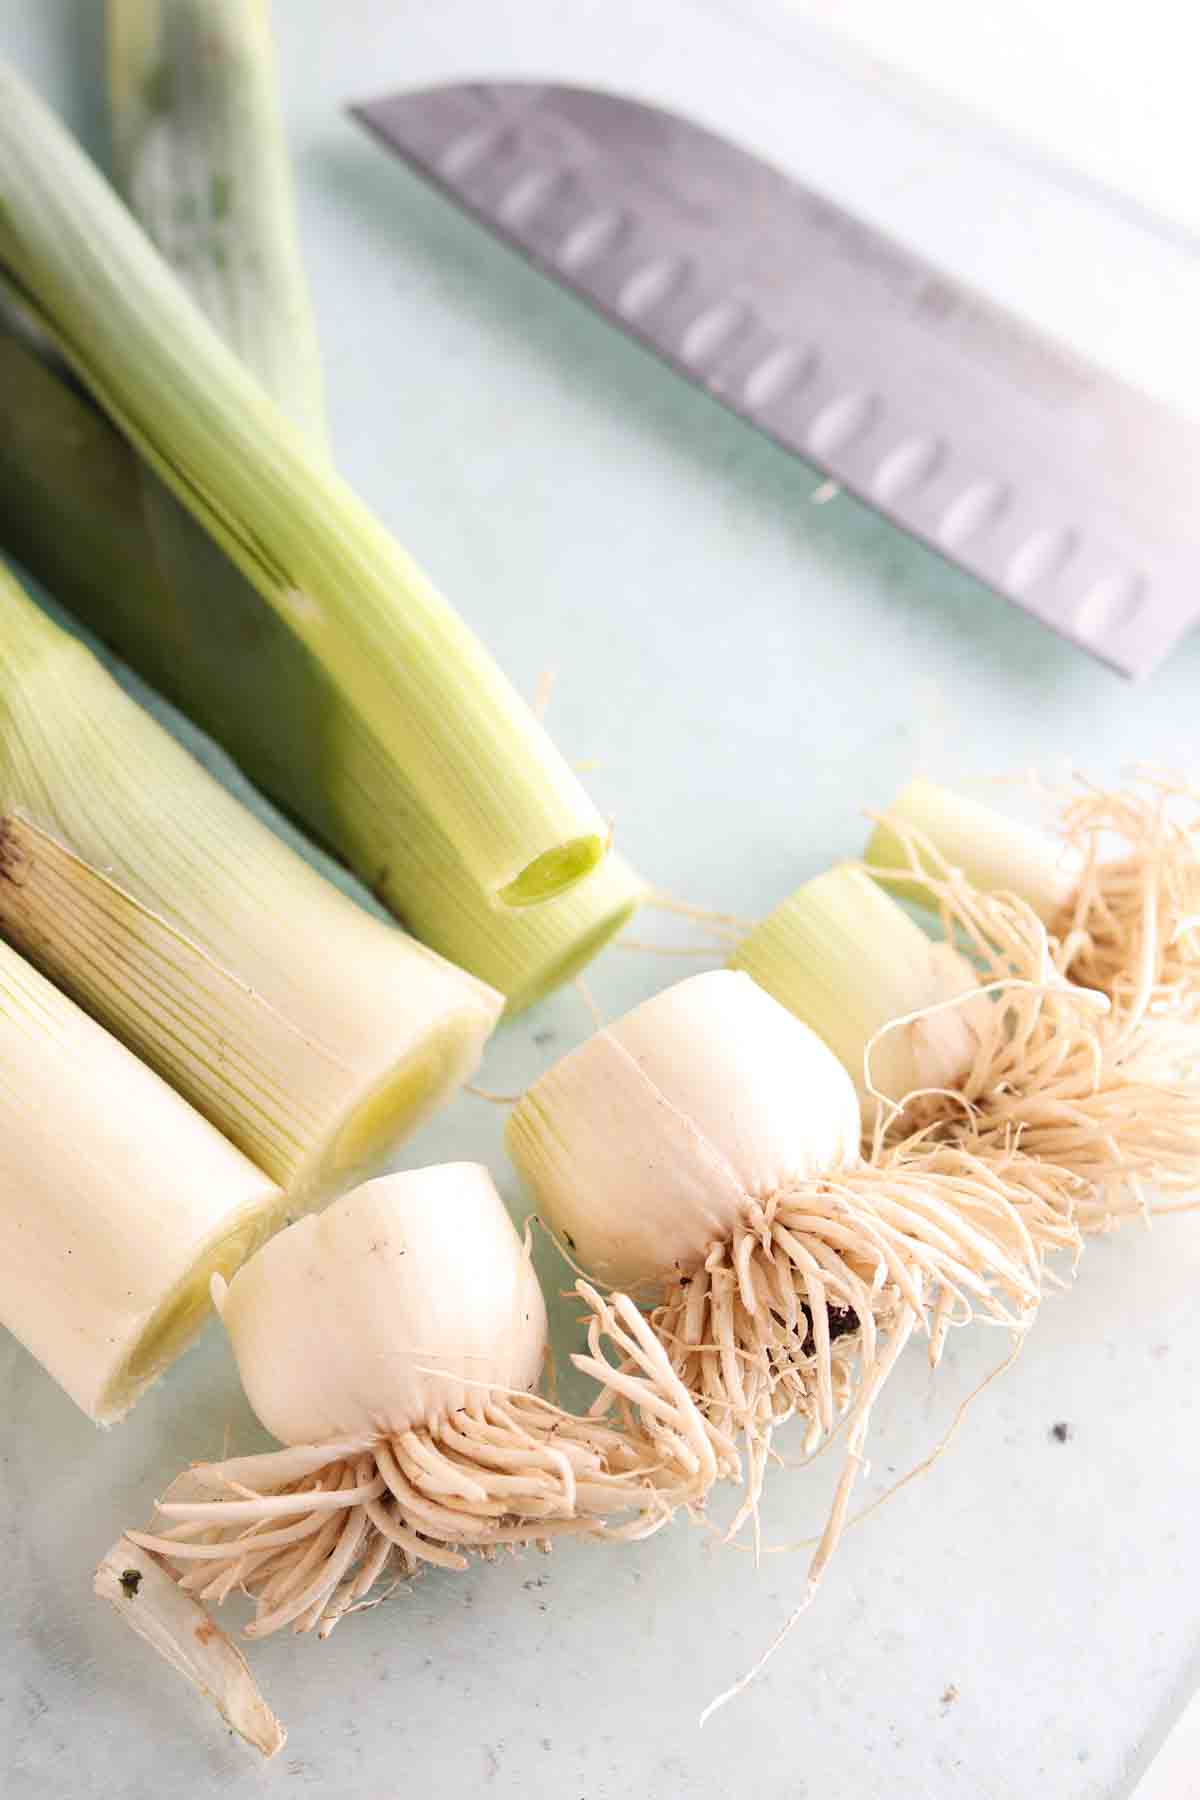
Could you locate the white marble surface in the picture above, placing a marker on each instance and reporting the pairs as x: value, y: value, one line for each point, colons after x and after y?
x: 751, y: 671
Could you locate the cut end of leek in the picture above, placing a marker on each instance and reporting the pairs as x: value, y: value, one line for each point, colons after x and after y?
x: 155, y: 899
x: 141, y: 573
x: 555, y: 871
x: 178, y: 1320
x: 585, y: 941
x: 420, y: 1082
x: 118, y: 1202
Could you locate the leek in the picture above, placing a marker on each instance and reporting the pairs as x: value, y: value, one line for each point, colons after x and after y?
x: 395, y: 1345
x: 1118, y: 887
x: 844, y: 958
x: 118, y: 1202
x: 199, y: 155
x: 1001, y: 1055
x: 705, y: 1149
x: 403, y: 664
x: 312, y: 1034
x: 994, y: 853
x: 73, y: 511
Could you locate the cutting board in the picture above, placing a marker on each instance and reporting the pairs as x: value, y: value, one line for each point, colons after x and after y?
x: 749, y: 670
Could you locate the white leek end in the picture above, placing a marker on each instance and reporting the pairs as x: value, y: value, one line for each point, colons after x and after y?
x: 313, y: 1035
x: 707, y: 1145
x: 993, y: 853
x: 117, y: 1201
x: 645, y: 1144
x: 313, y: 1317
x: 477, y: 760
x: 846, y: 959
x: 395, y: 1342
x: 1090, y: 1084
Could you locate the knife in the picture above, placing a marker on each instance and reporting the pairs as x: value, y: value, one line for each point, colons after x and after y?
x: 1061, y: 486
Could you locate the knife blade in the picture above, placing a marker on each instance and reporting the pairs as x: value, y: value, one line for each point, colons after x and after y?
x: 1045, y: 475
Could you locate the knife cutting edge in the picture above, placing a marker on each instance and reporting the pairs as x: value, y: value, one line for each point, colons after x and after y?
x: 1048, y: 477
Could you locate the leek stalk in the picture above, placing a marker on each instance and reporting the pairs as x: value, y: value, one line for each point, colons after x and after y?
x: 74, y: 513
x: 312, y: 1034
x: 104, y: 535
x: 398, y: 657
x: 842, y: 956
x: 118, y: 1202
x: 199, y: 156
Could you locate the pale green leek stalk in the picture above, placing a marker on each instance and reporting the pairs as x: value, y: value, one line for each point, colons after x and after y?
x: 200, y: 157
x: 996, y: 854
x: 312, y: 1034
x: 842, y: 956
x: 202, y: 161
x: 401, y: 661
x: 118, y: 1202
x: 74, y: 512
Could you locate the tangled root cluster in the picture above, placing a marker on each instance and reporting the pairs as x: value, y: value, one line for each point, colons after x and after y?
x: 309, y: 1532
x: 1099, y: 1081
x: 1132, y: 928
x: 803, y: 1310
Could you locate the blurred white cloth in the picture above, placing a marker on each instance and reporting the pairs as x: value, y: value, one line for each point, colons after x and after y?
x: 1109, y: 89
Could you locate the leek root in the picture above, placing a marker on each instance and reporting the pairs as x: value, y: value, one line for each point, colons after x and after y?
x: 1118, y: 890
x: 990, y: 1049
x: 394, y: 1344
x: 706, y: 1148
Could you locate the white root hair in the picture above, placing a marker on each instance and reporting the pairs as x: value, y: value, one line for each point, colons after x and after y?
x: 307, y: 1533
x: 1132, y: 927
x: 804, y: 1310
x: 1108, y: 1092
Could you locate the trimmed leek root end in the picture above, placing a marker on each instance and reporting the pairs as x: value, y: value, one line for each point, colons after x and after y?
x: 1090, y: 1091
x: 993, y: 852
x: 842, y: 956
x: 706, y: 1147
x: 394, y: 1342
x: 1118, y: 888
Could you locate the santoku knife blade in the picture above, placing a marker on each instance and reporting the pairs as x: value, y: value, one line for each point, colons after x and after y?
x: 1060, y: 485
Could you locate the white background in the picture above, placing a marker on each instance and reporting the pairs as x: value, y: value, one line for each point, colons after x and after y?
x: 751, y: 671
